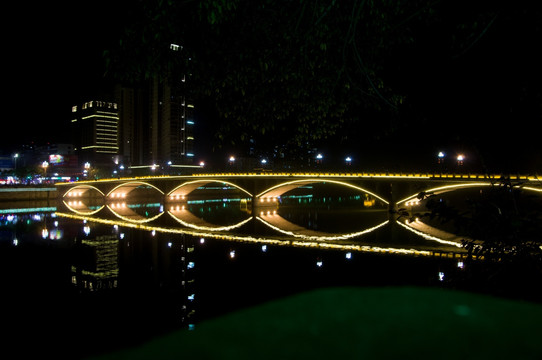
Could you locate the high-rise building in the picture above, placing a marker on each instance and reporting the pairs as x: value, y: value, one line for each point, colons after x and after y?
x: 157, y: 119
x: 134, y: 125
x: 95, y: 126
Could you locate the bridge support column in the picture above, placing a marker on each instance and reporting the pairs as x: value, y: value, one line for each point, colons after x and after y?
x: 387, y: 191
x: 260, y: 204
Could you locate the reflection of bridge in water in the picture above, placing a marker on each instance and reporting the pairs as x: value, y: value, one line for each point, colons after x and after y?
x: 283, y: 226
x: 262, y: 191
x: 189, y: 220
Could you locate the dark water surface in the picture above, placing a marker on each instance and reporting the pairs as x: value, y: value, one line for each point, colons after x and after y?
x: 88, y: 279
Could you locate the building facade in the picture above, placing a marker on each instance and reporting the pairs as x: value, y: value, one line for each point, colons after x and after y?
x: 157, y: 120
x: 95, y: 126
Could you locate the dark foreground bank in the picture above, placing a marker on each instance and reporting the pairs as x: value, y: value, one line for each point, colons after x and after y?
x: 361, y: 323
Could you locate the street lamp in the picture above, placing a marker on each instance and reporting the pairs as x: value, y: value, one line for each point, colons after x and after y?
x: 319, y: 158
x: 440, y: 157
x: 15, y: 157
x: 348, y: 160
x: 231, y: 160
x: 460, y: 159
x: 44, y: 165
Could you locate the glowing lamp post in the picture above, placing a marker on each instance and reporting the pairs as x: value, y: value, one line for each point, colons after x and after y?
x: 231, y: 160
x: 15, y: 157
x: 440, y: 157
x: 460, y: 159
x: 319, y: 158
x: 45, y: 165
x: 348, y: 160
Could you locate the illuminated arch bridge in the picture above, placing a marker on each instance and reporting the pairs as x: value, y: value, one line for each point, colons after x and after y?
x: 391, y: 189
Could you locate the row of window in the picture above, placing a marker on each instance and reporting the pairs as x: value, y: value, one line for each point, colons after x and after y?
x: 100, y: 104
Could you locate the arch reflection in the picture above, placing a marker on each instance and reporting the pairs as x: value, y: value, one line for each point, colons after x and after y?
x: 138, y: 213
x: 184, y: 217
x: 84, y: 200
x: 278, y: 223
x: 255, y: 239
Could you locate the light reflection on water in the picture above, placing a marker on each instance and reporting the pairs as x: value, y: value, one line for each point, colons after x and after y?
x: 142, y: 272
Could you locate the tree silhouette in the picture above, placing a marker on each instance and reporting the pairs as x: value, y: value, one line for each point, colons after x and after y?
x: 291, y: 74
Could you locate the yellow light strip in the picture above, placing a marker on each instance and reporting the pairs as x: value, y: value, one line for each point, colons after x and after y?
x: 100, y: 147
x: 86, y: 187
x: 308, y: 181
x: 427, y: 236
x: 442, y: 188
x: 323, y: 237
x: 100, y: 117
x: 207, y: 228
x: 203, y: 182
x: 532, y: 189
x: 82, y: 212
x: 133, y: 187
x: 251, y: 239
x: 143, y: 221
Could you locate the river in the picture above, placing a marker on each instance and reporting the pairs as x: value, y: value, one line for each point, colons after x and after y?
x: 85, y: 277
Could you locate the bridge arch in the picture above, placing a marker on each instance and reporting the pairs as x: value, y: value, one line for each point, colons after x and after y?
x: 278, y: 190
x: 79, y: 190
x: 122, y: 190
x: 452, y: 187
x: 186, y: 188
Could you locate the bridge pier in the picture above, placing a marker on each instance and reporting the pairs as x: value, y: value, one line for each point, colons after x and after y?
x: 264, y: 204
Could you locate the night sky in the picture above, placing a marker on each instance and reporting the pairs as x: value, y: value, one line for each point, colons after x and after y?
x: 486, y: 101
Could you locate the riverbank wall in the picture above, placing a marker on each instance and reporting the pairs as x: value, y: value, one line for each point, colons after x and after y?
x: 27, y: 193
